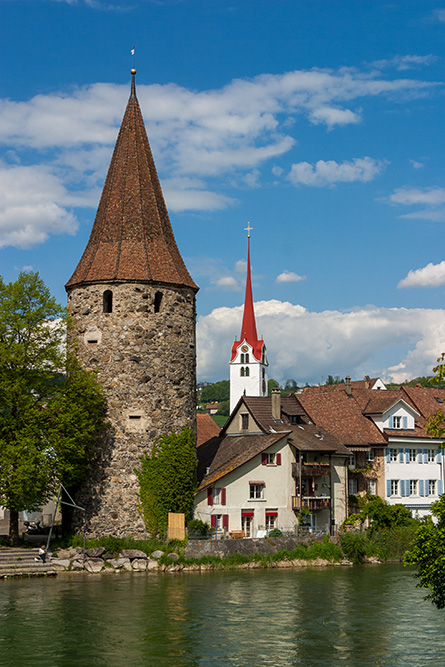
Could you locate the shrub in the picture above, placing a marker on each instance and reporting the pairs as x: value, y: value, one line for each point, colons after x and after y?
x: 275, y: 532
x: 198, y: 527
x: 354, y: 546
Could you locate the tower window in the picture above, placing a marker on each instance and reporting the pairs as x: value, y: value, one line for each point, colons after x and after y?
x: 247, y: 372
x: 244, y: 372
x: 108, y: 301
x: 158, y: 302
x: 244, y: 358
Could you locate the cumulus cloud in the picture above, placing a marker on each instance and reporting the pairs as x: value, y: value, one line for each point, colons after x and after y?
x: 227, y: 283
x: 308, y: 346
x: 229, y: 133
x: 329, y: 172
x: 30, y: 219
x: 416, y: 165
x: 289, y: 277
x: 432, y: 275
x: 433, y: 198
x: 406, y: 62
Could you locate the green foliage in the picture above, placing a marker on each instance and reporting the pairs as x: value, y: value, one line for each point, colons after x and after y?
x: 275, y: 532
x: 224, y: 408
x: 333, y: 380
x: 428, y: 554
x: 354, y: 546
x: 167, y: 480
x: 379, y: 512
x: 47, y: 418
x: 218, y: 391
x: 198, y: 527
x: 272, y: 384
x: 435, y: 425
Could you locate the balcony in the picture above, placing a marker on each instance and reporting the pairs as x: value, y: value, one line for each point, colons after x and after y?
x: 311, y: 470
x: 311, y: 503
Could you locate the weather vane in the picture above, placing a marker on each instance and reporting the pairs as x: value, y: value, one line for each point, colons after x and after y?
x: 248, y: 229
x: 132, y: 53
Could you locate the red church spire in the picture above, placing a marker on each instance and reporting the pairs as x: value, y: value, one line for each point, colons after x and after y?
x: 248, y: 327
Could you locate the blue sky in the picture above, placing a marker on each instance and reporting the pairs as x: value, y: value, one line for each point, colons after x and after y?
x: 319, y: 122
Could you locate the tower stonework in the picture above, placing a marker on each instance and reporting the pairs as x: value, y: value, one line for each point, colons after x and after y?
x: 131, y: 302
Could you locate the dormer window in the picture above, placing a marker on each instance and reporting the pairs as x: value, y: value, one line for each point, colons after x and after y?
x: 244, y: 422
x: 397, y: 422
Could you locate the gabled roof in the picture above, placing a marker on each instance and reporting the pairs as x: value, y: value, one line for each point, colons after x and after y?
x: 311, y: 438
x: 381, y: 402
x: 425, y: 399
x: 227, y: 453
x: 206, y: 428
x: 132, y: 238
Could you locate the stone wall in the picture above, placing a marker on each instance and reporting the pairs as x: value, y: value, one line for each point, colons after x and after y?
x: 269, y: 545
x: 144, y: 353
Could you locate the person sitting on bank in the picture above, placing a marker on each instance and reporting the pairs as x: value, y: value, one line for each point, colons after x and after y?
x: 42, y: 553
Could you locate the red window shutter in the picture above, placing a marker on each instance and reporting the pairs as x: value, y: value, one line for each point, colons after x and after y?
x: 278, y: 459
x: 223, y: 496
x: 264, y: 459
x: 209, y: 496
x: 213, y: 520
x: 225, y: 521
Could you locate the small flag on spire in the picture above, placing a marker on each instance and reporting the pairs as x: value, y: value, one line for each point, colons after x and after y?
x: 132, y: 52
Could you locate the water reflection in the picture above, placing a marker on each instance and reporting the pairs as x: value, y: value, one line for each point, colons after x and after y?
x: 367, y: 616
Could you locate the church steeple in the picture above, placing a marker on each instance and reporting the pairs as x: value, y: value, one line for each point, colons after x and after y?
x: 132, y: 238
x: 248, y: 361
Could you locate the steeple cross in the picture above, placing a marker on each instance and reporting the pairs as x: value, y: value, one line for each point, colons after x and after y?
x: 248, y: 229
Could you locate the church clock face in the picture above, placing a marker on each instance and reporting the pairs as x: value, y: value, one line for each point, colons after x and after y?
x: 244, y: 348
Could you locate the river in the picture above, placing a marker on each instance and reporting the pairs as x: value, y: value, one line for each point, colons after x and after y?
x: 349, y: 616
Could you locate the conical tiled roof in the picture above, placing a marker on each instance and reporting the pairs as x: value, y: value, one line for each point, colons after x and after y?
x: 132, y: 238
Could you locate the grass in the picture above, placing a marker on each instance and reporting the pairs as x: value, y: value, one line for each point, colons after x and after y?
x: 387, y: 544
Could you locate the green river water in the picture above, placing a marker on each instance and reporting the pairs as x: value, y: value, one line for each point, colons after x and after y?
x: 369, y: 615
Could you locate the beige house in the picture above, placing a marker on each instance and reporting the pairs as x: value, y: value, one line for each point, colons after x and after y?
x: 267, y: 467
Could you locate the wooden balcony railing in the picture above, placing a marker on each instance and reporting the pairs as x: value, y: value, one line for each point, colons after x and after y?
x: 311, y: 470
x: 311, y: 503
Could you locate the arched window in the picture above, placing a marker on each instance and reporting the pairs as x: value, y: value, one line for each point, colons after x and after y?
x: 242, y: 371
x: 246, y: 372
x: 108, y: 301
x: 246, y: 358
x: 242, y: 357
x: 158, y: 302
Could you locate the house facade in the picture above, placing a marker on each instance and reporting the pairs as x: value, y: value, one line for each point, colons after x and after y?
x: 270, y: 469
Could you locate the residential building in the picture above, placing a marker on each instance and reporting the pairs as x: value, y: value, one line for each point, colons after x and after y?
x: 268, y: 467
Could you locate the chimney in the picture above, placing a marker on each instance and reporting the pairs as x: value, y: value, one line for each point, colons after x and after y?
x: 348, y: 388
x: 276, y: 404
x: 367, y: 380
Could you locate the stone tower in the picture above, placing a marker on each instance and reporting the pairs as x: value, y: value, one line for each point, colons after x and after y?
x: 132, y: 306
x: 248, y: 363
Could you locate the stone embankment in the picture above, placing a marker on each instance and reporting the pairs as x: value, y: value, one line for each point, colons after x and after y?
x: 23, y: 563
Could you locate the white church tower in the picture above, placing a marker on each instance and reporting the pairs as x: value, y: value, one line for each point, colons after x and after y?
x: 248, y: 363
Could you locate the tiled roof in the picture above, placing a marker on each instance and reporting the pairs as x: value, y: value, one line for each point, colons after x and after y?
x: 132, y: 238
x: 381, y: 401
x: 224, y: 454
x: 311, y: 438
x: 342, y: 416
x: 206, y: 428
x: 425, y: 400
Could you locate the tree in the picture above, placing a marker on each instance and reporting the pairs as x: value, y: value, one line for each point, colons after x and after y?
x: 38, y: 401
x: 167, y: 480
x: 272, y: 384
x: 435, y: 425
x: 218, y: 391
x: 428, y: 553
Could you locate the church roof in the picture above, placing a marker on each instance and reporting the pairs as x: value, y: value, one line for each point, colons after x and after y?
x: 248, y: 327
x: 132, y: 238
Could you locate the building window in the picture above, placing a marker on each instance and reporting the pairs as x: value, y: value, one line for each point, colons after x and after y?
x: 353, y: 486
x: 108, y: 301
x: 412, y: 456
x: 393, y: 455
x: 431, y: 456
x: 431, y: 487
x: 244, y: 372
x: 270, y: 520
x: 246, y: 524
x: 370, y: 455
x: 244, y: 422
x: 270, y: 459
x: 397, y: 422
x: 413, y: 487
x: 158, y: 302
x: 353, y: 461
x: 216, y: 496
x: 372, y: 486
x: 244, y: 358
x: 256, y: 491
x: 394, y: 487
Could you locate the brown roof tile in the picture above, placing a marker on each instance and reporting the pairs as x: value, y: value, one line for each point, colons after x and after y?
x: 206, y: 428
x: 132, y: 238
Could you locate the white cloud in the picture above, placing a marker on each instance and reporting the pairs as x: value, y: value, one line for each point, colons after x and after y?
x: 309, y: 346
x: 417, y: 165
x: 227, y: 283
x: 26, y: 220
x: 289, y: 277
x: 241, y: 266
x: 432, y: 275
x: 433, y: 198
x: 439, y: 14
x: 329, y: 172
x: 407, y: 62
x: 229, y: 132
